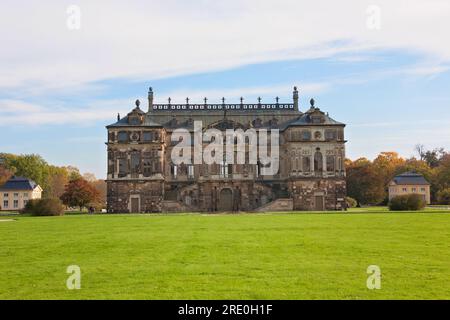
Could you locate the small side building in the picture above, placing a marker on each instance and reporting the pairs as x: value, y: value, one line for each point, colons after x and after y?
x: 410, y: 183
x: 16, y: 192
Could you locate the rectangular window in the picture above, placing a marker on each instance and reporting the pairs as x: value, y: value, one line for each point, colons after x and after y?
x: 405, y: 190
x: 5, y: 195
x: 330, y: 134
x: 423, y: 189
x: 122, y: 136
x: 330, y: 163
x: 25, y: 195
x: 25, y: 202
x: 306, y: 135
x: 174, y: 171
x: 414, y: 190
x: 135, y: 162
x: 191, y: 171
x: 16, y: 204
x: 16, y: 195
x: 147, y: 164
x: 5, y: 204
x: 148, y: 136
x: 123, y: 168
x: 306, y: 164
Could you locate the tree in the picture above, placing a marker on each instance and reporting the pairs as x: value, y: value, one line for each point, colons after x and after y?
x: 57, y: 181
x: 386, y: 165
x: 364, y: 184
x: 100, y: 186
x: 444, y: 196
x: 74, y: 172
x: 31, y: 166
x: 5, y: 174
x: 79, y: 193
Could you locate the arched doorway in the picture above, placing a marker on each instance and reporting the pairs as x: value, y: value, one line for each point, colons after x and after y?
x: 225, y: 200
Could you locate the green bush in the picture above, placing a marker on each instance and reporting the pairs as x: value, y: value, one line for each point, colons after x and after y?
x: 444, y: 196
x: 44, y: 207
x: 410, y: 202
x: 351, y: 203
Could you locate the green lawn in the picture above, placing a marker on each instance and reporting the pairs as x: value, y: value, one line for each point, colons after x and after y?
x: 248, y: 256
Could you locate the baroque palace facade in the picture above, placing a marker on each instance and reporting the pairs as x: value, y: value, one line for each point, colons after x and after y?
x: 143, y: 178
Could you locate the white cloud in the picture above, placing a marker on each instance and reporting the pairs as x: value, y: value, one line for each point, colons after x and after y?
x: 24, y: 113
x: 152, y: 39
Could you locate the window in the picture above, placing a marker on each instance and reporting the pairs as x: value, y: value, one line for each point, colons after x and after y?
x: 25, y: 195
x: 405, y: 190
x: 5, y: 204
x: 423, y: 189
x: 414, y: 190
x: 25, y: 202
x: 224, y: 169
x: 135, y: 162
x: 122, y: 136
x: 16, y: 195
x: 147, y: 167
x: 16, y: 204
x: 5, y: 195
x: 330, y: 134
x: 318, y: 162
x: 190, y: 171
x: 306, y: 164
x: 123, y: 167
x: 306, y: 135
x: 330, y: 163
x: 174, y: 170
x: 148, y: 136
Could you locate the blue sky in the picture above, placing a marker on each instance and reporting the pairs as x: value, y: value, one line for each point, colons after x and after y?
x: 60, y: 87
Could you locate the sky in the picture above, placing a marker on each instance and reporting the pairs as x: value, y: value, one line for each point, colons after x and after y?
x: 68, y: 67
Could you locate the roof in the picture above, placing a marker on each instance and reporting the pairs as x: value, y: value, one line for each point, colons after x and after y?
x: 314, y: 116
x: 410, y: 178
x: 19, y: 183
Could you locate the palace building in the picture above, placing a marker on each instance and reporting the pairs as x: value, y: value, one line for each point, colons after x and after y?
x: 142, y: 176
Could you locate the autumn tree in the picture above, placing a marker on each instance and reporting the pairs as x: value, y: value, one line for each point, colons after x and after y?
x: 364, y: 183
x: 80, y: 193
x: 100, y: 186
x: 57, y: 181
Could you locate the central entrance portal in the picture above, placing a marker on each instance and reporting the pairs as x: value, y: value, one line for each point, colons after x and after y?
x: 225, y: 200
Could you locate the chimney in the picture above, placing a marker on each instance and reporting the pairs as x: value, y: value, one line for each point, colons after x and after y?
x: 150, y: 99
x: 295, y: 96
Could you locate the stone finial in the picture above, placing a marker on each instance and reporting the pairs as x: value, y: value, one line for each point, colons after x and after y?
x: 206, y: 100
x: 242, y: 100
x: 277, y: 99
x: 187, y: 100
x: 118, y: 117
x: 312, y: 102
x: 138, y: 103
x: 169, y: 100
x: 223, y: 100
x: 259, y: 100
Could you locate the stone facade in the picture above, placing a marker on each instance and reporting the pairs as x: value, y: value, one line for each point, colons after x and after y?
x: 143, y: 178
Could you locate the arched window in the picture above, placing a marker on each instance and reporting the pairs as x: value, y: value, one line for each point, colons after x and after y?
x: 318, y: 162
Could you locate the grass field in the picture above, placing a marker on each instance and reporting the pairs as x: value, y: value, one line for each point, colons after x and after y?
x: 248, y: 256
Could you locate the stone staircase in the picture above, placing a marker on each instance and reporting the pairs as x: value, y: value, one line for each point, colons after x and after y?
x: 175, y: 206
x: 281, y: 204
